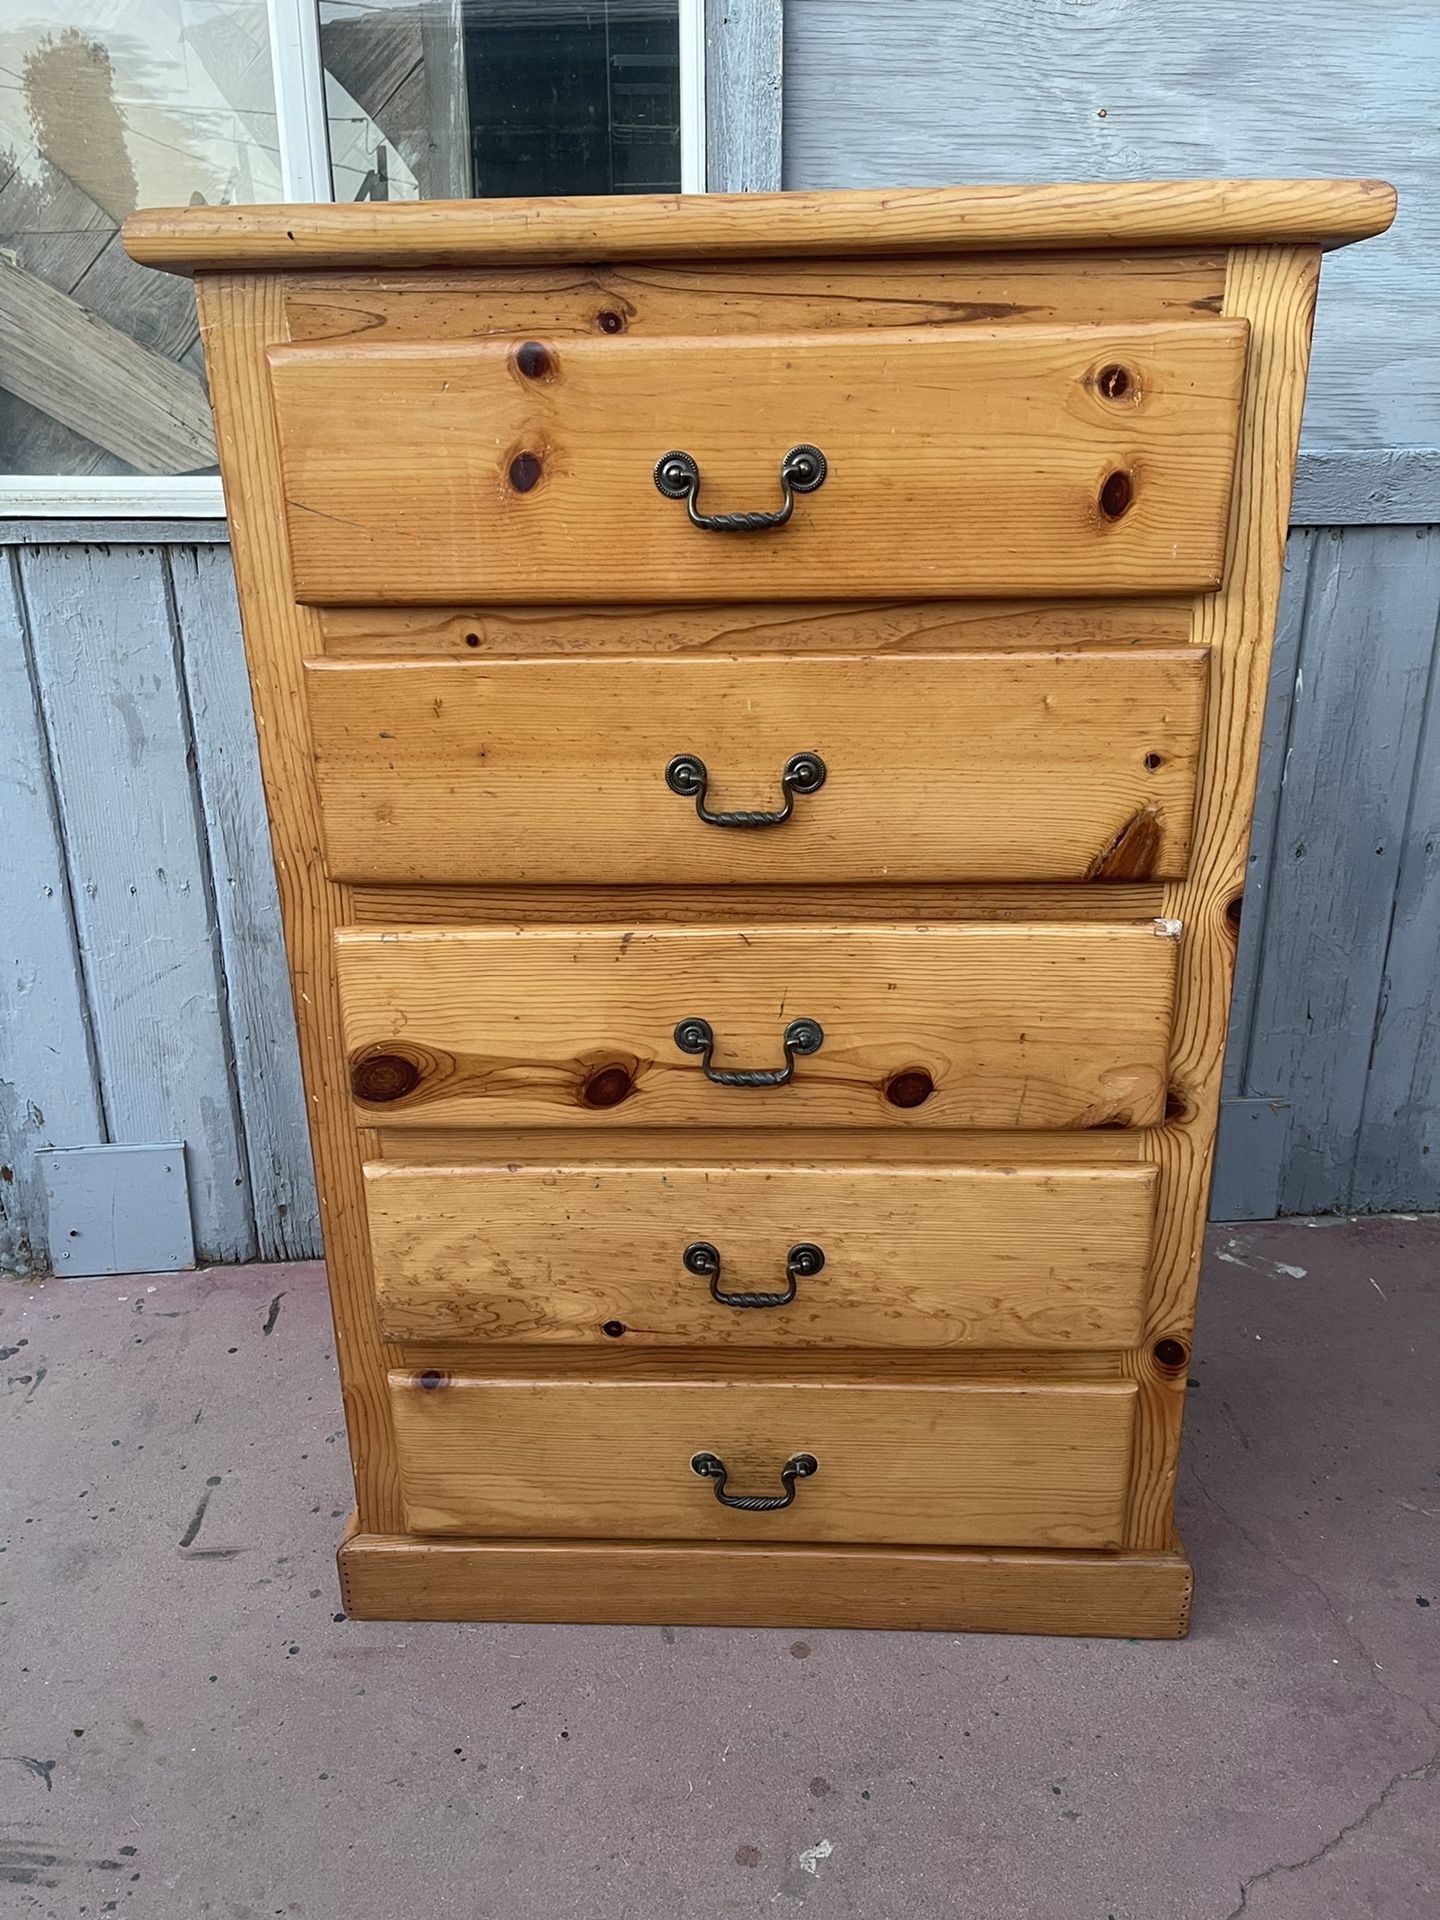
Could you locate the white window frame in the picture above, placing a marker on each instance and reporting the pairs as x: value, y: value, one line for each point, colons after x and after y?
x: 304, y: 144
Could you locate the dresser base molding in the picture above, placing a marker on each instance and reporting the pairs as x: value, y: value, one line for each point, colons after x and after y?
x: 1142, y: 1596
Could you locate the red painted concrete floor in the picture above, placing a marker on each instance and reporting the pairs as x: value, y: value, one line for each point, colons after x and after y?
x: 190, y: 1729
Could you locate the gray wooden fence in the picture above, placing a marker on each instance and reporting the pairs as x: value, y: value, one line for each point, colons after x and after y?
x: 144, y: 996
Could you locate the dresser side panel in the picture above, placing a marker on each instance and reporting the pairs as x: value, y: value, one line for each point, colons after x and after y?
x: 1274, y: 288
x: 241, y: 316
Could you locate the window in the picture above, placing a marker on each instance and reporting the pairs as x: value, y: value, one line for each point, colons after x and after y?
x: 108, y: 105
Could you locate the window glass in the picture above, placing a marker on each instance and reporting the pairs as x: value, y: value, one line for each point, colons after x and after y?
x: 442, y: 99
x: 105, y: 106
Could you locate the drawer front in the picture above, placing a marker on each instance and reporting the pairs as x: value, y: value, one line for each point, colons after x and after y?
x: 978, y: 1025
x: 993, y: 459
x: 1025, y: 1257
x: 969, y: 767
x: 1002, y: 1466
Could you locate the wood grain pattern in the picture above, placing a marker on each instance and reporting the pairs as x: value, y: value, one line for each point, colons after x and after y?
x: 950, y: 1466
x: 1028, y: 1026
x: 860, y: 626
x: 436, y: 472
x: 975, y: 767
x: 1137, y: 1596
x: 239, y: 317
x: 1275, y: 290
x: 1028, y: 1256
x: 757, y: 296
x: 1167, y: 213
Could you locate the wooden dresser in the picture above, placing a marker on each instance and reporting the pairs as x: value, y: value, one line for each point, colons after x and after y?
x: 759, y: 700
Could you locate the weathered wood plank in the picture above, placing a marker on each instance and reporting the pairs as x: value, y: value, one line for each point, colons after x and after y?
x: 1397, y: 1160
x: 448, y: 173
x: 257, y: 985
x: 1364, y: 664
x: 1142, y: 89
x: 1371, y: 486
x: 1251, y: 1131
x: 116, y: 715
x: 98, y: 381
x: 743, y: 68
x: 112, y: 533
x: 1279, y: 707
x: 49, y: 1095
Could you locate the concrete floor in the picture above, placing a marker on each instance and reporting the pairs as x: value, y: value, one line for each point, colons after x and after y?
x: 189, y: 1727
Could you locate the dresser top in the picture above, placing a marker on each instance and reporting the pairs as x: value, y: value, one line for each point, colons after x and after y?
x: 901, y: 220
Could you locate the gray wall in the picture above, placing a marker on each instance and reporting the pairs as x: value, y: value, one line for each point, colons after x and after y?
x: 1333, y: 1080
x: 926, y: 92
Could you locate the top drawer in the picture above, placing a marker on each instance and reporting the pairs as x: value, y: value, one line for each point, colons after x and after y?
x: 1017, y: 459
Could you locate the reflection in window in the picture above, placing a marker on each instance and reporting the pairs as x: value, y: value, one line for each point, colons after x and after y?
x: 106, y: 105
x: 442, y: 99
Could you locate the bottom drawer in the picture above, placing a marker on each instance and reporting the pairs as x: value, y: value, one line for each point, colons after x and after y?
x: 983, y: 1465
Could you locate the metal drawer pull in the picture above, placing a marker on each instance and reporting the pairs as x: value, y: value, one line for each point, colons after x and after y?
x: 698, y: 1036
x: 802, y: 773
x: 677, y: 475
x: 801, y: 1261
x: 800, y: 1466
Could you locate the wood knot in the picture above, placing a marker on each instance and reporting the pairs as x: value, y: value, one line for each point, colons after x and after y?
x: 533, y: 360
x: 1114, y: 382
x: 1116, y: 492
x: 607, y: 1086
x: 379, y: 1078
x: 910, y: 1088
x: 1171, y: 1354
x: 525, y: 471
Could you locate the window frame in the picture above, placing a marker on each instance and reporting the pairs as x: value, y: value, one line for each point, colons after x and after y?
x: 303, y: 139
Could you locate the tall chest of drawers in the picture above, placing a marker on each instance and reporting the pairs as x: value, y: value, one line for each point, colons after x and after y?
x: 759, y: 700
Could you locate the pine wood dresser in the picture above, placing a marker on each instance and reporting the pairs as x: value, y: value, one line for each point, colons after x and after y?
x: 759, y: 701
